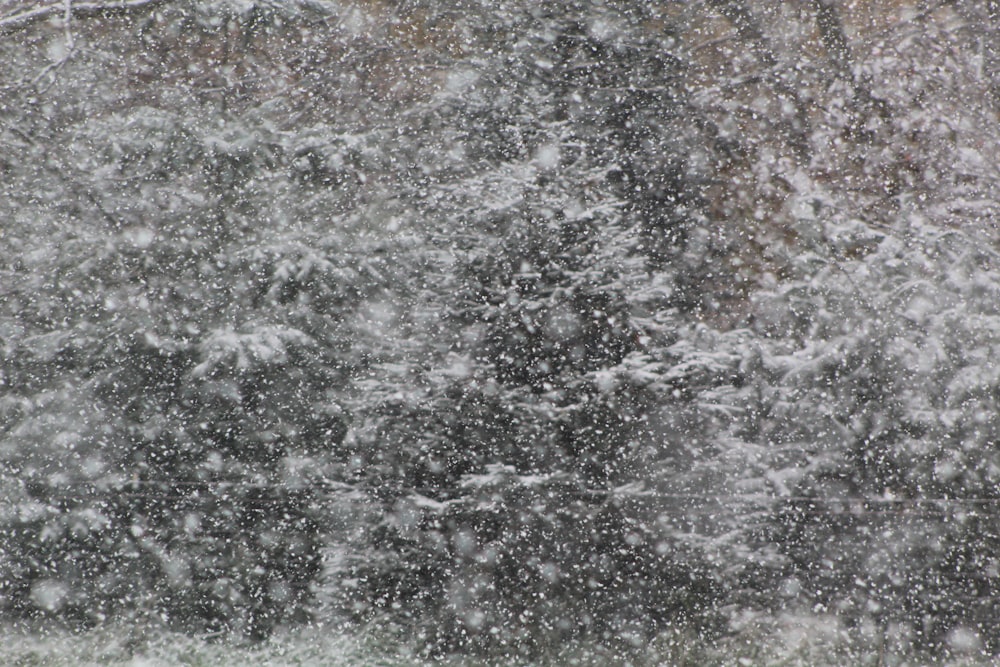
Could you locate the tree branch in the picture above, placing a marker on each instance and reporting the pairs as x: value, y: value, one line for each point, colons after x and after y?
x: 749, y: 29
x: 21, y: 20
x: 834, y: 40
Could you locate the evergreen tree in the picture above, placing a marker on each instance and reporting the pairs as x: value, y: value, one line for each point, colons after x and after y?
x: 177, y: 328
x: 503, y: 439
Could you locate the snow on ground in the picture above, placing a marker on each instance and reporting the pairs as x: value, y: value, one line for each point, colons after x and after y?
x: 788, y: 640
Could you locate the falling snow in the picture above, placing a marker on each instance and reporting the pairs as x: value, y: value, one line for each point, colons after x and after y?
x: 597, y: 332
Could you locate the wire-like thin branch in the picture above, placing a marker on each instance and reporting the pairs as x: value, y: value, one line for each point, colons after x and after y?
x: 70, y: 47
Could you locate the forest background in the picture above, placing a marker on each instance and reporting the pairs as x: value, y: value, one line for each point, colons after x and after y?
x: 505, y: 323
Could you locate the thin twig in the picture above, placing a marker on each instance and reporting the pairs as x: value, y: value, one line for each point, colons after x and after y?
x: 70, y: 46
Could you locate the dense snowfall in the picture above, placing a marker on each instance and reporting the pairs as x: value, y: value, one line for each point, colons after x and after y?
x: 503, y: 323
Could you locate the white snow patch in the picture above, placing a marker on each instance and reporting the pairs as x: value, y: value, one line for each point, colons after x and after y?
x: 547, y: 156
x: 49, y: 594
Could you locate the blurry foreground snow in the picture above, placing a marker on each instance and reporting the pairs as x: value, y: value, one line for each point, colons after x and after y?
x: 786, y: 640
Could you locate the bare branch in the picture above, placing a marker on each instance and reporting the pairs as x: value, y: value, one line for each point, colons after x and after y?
x: 70, y: 47
x: 67, y: 27
x: 21, y: 20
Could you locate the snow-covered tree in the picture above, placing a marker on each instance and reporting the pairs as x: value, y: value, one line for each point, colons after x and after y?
x: 557, y: 215
x: 177, y: 326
